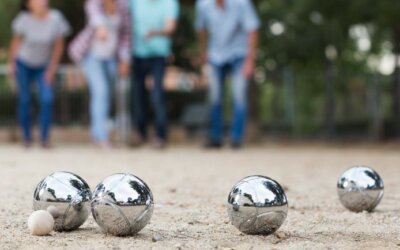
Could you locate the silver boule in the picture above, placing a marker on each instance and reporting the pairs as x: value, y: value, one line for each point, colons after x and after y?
x: 122, y: 205
x: 257, y: 205
x: 360, y: 189
x: 66, y: 196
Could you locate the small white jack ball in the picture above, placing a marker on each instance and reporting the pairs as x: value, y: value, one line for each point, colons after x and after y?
x: 40, y: 223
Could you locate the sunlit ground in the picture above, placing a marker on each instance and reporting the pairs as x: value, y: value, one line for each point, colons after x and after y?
x: 190, y: 186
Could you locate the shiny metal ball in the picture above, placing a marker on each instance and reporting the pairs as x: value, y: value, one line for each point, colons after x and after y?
x: 67, y: 197
x: 257, y: 205
x: 122, y: 205
x: 360, y: 189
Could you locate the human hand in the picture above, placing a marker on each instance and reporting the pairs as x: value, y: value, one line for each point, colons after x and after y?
x: 203, y: 58
x: 101, y: 33
x: 151, y: 34
x: 49, y: 75
x: 123, y: 69
x: 11, y: 69
x: 248, y: 68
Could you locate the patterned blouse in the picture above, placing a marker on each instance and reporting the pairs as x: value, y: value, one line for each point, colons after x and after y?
x: 81, y: 45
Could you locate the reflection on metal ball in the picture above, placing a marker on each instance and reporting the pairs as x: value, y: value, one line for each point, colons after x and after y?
x: 257, y: 205
x: 67, y: 197
x: 122, y: 205
x: 360, y: 189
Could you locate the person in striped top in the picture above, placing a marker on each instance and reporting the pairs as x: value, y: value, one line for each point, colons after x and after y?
x: 103, y: 49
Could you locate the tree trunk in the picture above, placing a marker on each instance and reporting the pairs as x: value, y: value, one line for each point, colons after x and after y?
x: 254, y: 124
x: 374, y: 107
x: 396, y: 85
x: 329, y: 120
x: 289, y: 98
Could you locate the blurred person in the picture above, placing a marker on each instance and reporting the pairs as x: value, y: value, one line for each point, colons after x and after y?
x: 154, y: 21
x: 103, y: 49
x: 35, y: 52
x: 228, y: 40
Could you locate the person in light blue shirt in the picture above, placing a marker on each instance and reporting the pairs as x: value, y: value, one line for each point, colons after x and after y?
x: 228, y: 41
x: 154, y: 21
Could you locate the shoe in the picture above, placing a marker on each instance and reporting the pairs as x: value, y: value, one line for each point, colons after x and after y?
x: 159, y: 143
x: 46, y: 145
x: 236, y: 145
x: 137, y: 141
x: 103, y: 145
x: 27, y: 144
x: 213, y: 145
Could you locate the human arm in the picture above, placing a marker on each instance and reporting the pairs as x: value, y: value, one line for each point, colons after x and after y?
x: 202, y: 34
x: 12, y: 54
x: 125, y: 39
x: 96, y: 19
x: 172, y: 13
x: 203, y: 40
x: 249, y: 63
x: 57, y: 51
x: 251, y: 23
x: 58, y: 46
x: 168, y: 30
x: 19, y: 30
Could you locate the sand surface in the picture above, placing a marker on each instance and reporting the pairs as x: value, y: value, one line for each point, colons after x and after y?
x: 190, y: 187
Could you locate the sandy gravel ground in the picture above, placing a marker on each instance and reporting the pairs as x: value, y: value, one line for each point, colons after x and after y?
x: 190, y: 187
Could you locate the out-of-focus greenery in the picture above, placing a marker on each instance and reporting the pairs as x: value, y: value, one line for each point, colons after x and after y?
x: 316, y: 62
x: 7, y: 13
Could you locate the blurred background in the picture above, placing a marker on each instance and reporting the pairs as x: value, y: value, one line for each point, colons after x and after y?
x: 325, y: 70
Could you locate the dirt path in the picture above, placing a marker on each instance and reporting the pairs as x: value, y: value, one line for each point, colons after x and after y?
x: 191, y: 186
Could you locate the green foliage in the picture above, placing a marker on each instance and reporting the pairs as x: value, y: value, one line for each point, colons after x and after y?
x: 8, y: 9
x: 184, y: 46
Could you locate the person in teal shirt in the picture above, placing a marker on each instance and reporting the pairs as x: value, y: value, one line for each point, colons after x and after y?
x: 154, y: 21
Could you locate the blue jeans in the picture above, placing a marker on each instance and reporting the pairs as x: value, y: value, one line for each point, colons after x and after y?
x: 217, y: 77
x: 100, y: 74
x: 142, y: 67
x: 25, y: 76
